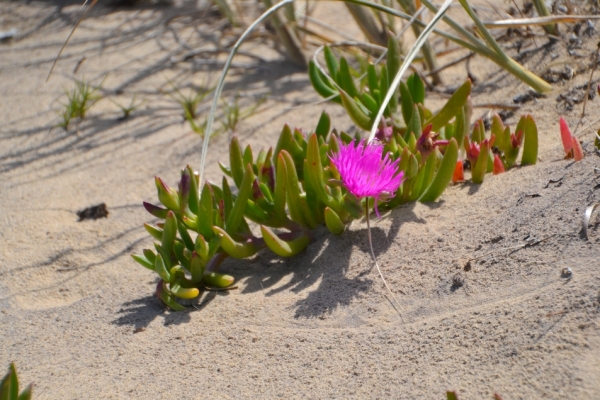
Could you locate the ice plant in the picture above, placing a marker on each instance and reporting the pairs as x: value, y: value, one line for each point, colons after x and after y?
x: 498, y: 165
x: 570, y: 143
x: 365, y: 174
x: 428, y: 141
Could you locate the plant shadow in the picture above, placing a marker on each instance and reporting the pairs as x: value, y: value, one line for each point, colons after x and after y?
x: 322, y: 270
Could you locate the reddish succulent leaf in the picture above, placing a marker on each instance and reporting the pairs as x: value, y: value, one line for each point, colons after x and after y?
x: 498, y: 165
x: 459, y: 173
x: 565, y: 134
x: 577, y: 150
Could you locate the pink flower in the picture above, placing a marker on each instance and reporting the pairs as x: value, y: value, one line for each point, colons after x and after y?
x: 365, y: 174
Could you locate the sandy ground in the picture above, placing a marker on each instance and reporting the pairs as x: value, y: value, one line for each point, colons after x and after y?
x: 78, y: 317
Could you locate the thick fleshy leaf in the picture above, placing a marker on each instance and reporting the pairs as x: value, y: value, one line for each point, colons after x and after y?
x: 197, y: 267
x: 163, y: 294
x: 161, y: 269
x: 235, y: 249
x: 185, y: 236
x: 184, y: 189
x: 345, y: 79
x: 356, y: 114
x: 217, y: 280
x: 577, y: 149
x: 279, y: 195
x: 497, y: 129
x: 451, y: 108
x: 428, y: 174
x: 444, y: 174
x: 236, y: 161
x: 169, y: 232
x: 393, y: 66
x: 248, y: 156
x: 166, y: 195
x: 334, y: 222
x: 281, y: 247
x: 180, y: 250
x: 461, y: 128
x: 143, y: 261
x: 193, y: 198
x: 154, y: 231
x: 331, y: 61
x: 315, y: 170
x: 372, y: 82
x: 565, y: 135
x: 530, y: 142
x: 287, y: 142
x: 237, y: 213
x: 320, y: 83
x: 156, y: 211
x: 205, y: 222
x: 184, y: 293
x: 26, y: 394
x: 480, y: 168
x: 498, y: 165
x: 297, y: 205
x: 407, y: 103
x: 459, y: 173
x: 416, y: 87
x: 323, y: 126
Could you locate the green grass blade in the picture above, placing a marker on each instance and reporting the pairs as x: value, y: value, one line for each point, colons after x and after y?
x: 406, y: 64
x: 219, y: 89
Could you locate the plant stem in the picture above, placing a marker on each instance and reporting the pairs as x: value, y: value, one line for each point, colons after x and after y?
x: 375, y: 259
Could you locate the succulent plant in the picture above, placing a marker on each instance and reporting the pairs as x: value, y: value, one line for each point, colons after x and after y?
x: 296, y: 187
x: 9, y: 386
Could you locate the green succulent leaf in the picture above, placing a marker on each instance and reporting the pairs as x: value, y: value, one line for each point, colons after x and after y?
x: 444, y: 174
x: 297, y: 205
x: 26, y: 394
x: 161, y: 269
x: 236, y: 161
x: 169, y: 232
x: 237, y: 212
x: 166, y: 298
x: 235, y: 249
x: 334, y: 222
x: 323, y: 126
x: 345, y: 79
x: 184, y: 293
x: 417, y: 88
x: 315, y: 170
x: 451, y: 108
x: 193, y: 199
x: 372, y: 81
x: 197, y: 267
x: 167, y: 196
x: 217, y: 280
x: 331, y: 61
x: 143, y: 261
x: 206, y: 210
x: 481, y: 166
x: 154, y: 231
x: 320, y: 83
x: 407, y: 103
x: 356, y: 113
x: 530, y: 142
x: 281, y: 247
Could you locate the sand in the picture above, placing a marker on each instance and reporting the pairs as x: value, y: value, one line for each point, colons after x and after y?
x: 78, y: 315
